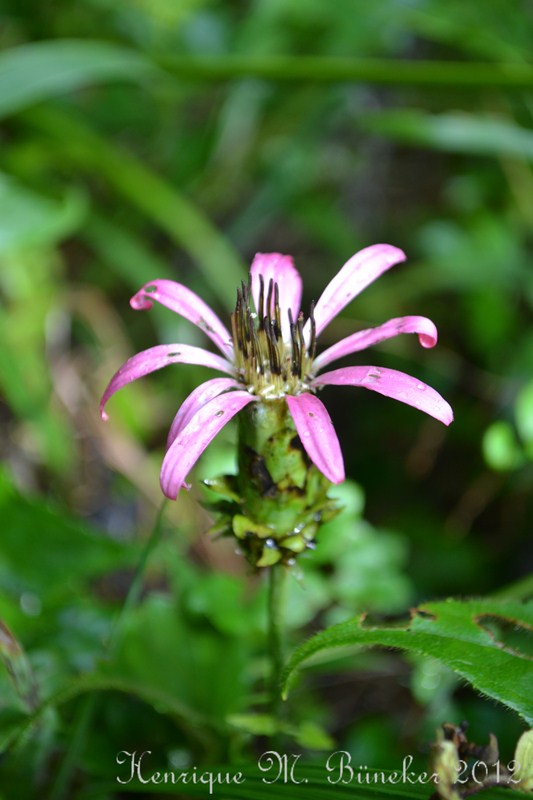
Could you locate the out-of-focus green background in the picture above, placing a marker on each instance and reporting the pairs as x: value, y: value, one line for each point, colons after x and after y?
x: 155, y: 138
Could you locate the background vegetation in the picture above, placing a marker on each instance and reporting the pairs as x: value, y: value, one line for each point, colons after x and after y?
x: 148, y: 139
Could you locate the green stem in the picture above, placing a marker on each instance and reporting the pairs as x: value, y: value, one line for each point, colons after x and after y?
x: 78, y: 735
x: 276, y: 602
x: 134, y: 592
x: 392, y: 72
x: 88, y: 707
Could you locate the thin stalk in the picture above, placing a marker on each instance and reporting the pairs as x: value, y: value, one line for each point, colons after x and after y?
x: 391, y: 72
x: 63, y: 779
x: 134, y: 592
x: 276, y: 610
x: 88, y: 706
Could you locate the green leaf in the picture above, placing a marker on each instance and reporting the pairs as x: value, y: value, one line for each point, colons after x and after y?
x: 524, y: 758
x: 18, y: 667
x: 500, y: 447
x: 31, y: 276
x: 454, y: 132
x: 386, y: 71
x: 161, y: 647
x: 78, y: 144
x: 524, y: 413
x: 27, y: 218
x: 47, y: 555
x: 195, y: 724
x: 35, y: 72
x: 455, y: 24
x: 307, y: 735
x: 125, y: 252
x: 12, y: 722
x: 470, y: 637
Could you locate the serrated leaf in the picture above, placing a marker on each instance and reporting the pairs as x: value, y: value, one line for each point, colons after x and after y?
x: 471, y: 637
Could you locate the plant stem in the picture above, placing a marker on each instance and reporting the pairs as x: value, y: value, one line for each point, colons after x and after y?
x: 392, y: 72
x: 276, y: 601
x: 134, y: 592
x: 88, y: 706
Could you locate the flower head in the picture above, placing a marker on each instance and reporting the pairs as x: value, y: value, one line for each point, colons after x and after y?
x: 270, y: 358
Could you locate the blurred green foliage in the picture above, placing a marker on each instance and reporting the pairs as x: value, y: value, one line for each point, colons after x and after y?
x: 162, y: 139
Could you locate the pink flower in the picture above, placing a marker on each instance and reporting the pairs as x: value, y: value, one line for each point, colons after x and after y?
x: 271, y: 358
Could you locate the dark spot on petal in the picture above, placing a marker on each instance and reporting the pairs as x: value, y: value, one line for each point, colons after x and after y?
x: 174, y: 355
x: 205, y: 325
x: 310, y: 414
x: 219, y: 413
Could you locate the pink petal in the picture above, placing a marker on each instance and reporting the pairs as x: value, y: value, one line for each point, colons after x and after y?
x: 361, y: 270
x: 426, y: 330
x: 186, y: 303
x: 198, y: 398
x: 391, y: 383
x: 192, y: 440
x: 317, y: 434
x: 156, y: 358
x: 282, y: 271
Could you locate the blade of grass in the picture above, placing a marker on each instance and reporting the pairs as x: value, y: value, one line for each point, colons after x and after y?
x: 392, y: 72
x: 161, y: 202
x: 34, y: 72
x: 125, y: 252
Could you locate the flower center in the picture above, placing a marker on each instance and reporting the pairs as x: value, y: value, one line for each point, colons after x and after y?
x: 268, y: 364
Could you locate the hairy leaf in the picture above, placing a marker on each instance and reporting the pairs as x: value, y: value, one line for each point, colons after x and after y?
x: 487, y: 642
